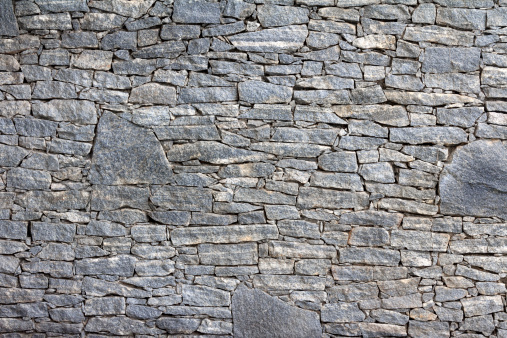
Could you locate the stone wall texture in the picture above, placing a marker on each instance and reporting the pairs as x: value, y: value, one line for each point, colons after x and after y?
x: 253, y: 168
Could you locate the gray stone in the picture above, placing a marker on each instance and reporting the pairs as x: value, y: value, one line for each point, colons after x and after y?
x: 496, y: 17
x: 182, y: 198
x: 378, y: 172
x: 212, y: 152
x: 237, y: 254
x: 462, y: 117
x: 204, y: 296
x: 142, y: 312
x: 209, y: 94
x: 177, y: 32
x: 435, y: 135
x: 178, y: 325
x: 352, y: 292
x: 221, y: 234
x: 121, y: 326
x: 121, y: 265
x: 273, y: 40
x: 428, y: 329
x: 115, y: 197
x: 310, y: 197
x: 262, y: 92
x: 249, y: 310
x: 471, y: 184
x: 16, y: 295
x: 8, y: 23
x: 338, y: 161
x: 273, y: 16
x: 337, y: 180
x: 121, y: 154
x: 446, y: 60
x: 46, y: 21
x: 82, y: 112
x: 80, y: 40
x: 59, y: 232
x: 196, y: 11
x: 72, y: 315
x: 134, y: 67
x: 363, y: 236
x: 455, y: 82
x: 28, y: 179
x: 462, y: 18
x: 289, y: 149
x: 342, y: 312
x: 57, y: 200
x: 436, y: 34
x: 373, y: 256
x: 301, y: 250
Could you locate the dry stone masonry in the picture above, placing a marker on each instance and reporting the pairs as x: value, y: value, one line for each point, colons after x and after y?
x: 253, y: 168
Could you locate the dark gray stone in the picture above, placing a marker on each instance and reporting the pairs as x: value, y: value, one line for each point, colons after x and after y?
x: 274, y: 40
x: 106, y: 197
x: 474, y: 183
x: 127, y: 154
x: 8, y: 23
x: 256, y: 314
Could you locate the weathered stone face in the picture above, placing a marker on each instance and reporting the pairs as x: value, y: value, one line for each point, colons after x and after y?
x: 474, y: 182
x: 253, y: 168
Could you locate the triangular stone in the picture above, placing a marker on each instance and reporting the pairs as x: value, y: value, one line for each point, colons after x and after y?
x: 124, y: 153
x: 258, y: 315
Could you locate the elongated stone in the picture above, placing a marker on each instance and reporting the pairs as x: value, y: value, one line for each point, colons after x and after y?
x: 213, y: 152
x: 228, y: 254
x: 8, y: 23
x: 182, y: 198
x: 273, y: 40
x: 220, y: 234
x: 372, y: 256
x: 435, y: 135
x: 324, y: 198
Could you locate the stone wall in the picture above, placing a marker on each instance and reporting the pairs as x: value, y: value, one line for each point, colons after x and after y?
x: 253, y: 168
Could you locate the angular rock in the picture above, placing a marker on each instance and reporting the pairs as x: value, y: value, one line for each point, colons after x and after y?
x: 121, y: 265
x: 209, y: 94
x: 473, y: 183
x: 212, y: 152
x: 57, y: 200
x: 104, y: 306
x: 444, y: 35
x: 28, y: 179
x: 183, y: 198
x: 178, y: 325
x: 8, y: 23
x: 310, y: 197
x: 462, y: 18
x: 249, y: 309
x: 342, y: 312
x: 121, y: 154
x: 196, y: 11
x: 373, y: 256
x: 447, y: 60
x: 106, y: 197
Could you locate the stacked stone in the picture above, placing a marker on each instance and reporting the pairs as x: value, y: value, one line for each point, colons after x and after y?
x: 255, y: 168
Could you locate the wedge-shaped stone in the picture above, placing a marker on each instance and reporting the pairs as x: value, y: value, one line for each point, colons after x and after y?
x: 474, y: 183
x: 390, y: 115
x: 127, y: 154
x: 251, y: 307
x: 435, y: 135
x: 213, y: 152
x: 98, y: 288
x: 105, y: 197
x: 288, y: 282
x: 221, y: 234
x: 273, y: 40
x: 228, y: 254
x: 437, y: 34
x: 182, y: 198
x: 419, y: 240
x: 371, y: 256
x: 324, y: 198
x: 300, y: 250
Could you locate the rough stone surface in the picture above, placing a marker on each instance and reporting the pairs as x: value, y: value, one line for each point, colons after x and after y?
x: 259, y: 314
x: 253, y: 168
